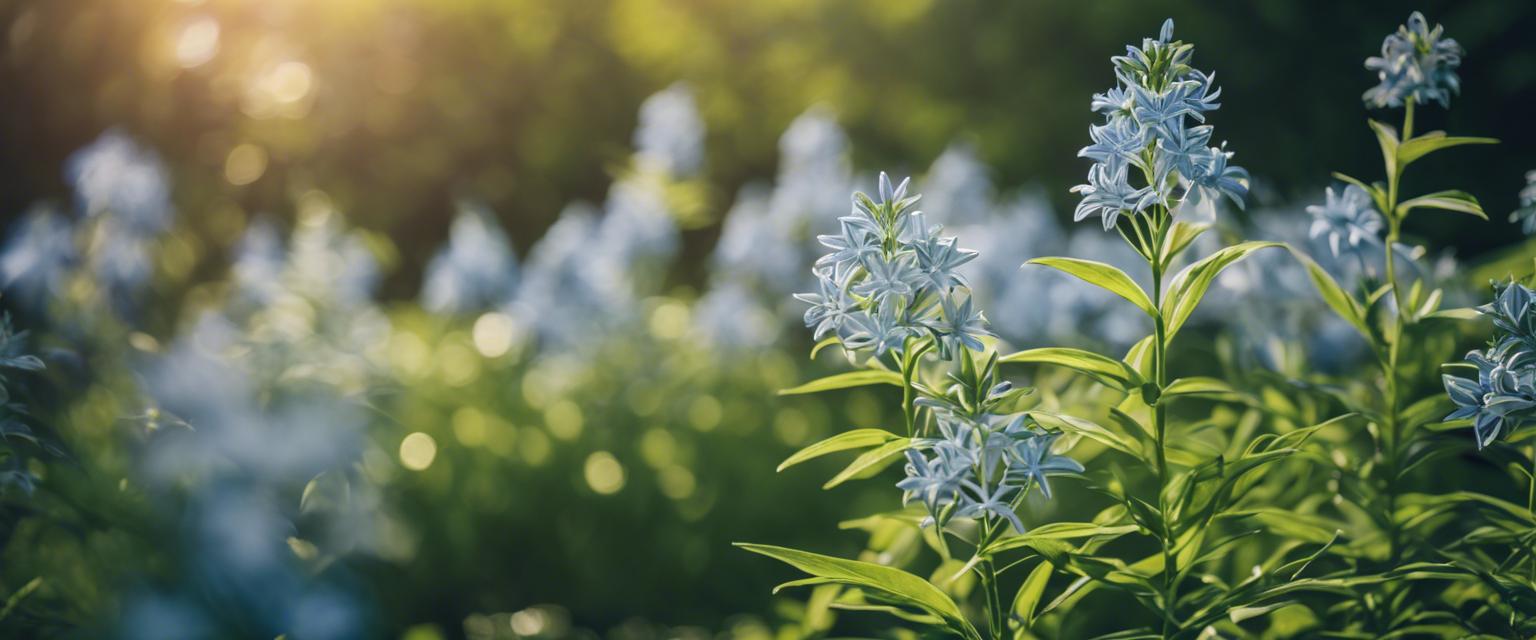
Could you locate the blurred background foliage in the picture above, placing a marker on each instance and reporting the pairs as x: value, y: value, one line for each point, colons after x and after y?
x: 528, y: 105
x: 594, y: 490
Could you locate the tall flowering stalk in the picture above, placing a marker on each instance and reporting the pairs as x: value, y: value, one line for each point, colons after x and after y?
x: 1416, y: 66
x: 1156, y: 178
x: 890, y: 294
x: 1396, y: 310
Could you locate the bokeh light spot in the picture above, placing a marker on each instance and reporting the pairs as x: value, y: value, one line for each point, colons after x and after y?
x: 705, y: 413
x: 564, y: 420
x: 198, y: 42
x: 604, y: 473
x: 493, y: 334
x: 245, y: 164
x: 677, y: 482
x: 417, y: 451
x: 469, y: 426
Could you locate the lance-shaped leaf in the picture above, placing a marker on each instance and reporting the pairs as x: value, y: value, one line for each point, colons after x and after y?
x: 1027, y: 600
x: 1088, y: 429
x: 1386, y: 136
x: 856, y: 439
x: 1179, y: 238
x: 1459, y: 201
x: 870, y: 462
x: 846, y: 380
x: 1201, y: 386
x: 1106, y: 370
x: 894, y: 584
x: 1103, y: 276
x: 1190, y: 285
x: 1334, y: 295
x: 1416, y: 148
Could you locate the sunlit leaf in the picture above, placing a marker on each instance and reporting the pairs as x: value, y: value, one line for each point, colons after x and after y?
x: 846, y: 380
x: 870, y: 462
x: 1458, y: 201
x: 1418, y: 147
x: 1109, y: 371
x: 1345, y: 305
x: 900, y: 586
x: 856, y: 439
x: 1190, y: 285
x: 1102, y: 275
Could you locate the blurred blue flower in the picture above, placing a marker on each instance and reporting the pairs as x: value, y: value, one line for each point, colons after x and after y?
x: 1416, y: 63
x: 115, y: 175
x: 1347, y: 219
x: 38, y: 257
x: 476, y: 271
x: 1526, y: 214
x: 670, y: 135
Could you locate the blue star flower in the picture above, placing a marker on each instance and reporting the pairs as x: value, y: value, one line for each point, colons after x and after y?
x: 1347, y: 218
x: 1109, y: 193
x: 1416, y: 63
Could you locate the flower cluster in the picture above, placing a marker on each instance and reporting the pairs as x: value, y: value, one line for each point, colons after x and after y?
x: 1147, y: 127
x: 123, y: 198
x: 1504, y: 393
x: 1526, y: 214
x: 890, y: 277
x: 1347, y: 219
x: 587, y: 275
x: 1416, y: 63
x: 476, y: 271
x: 982, y: 463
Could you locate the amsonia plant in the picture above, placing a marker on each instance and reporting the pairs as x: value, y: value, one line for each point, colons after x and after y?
x: 1435, y: 563
x: 889, y: 294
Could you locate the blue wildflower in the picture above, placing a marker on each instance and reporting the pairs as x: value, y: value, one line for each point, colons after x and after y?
x: 1416, y: 63
x: 1347, y: 218
x: 1109, y: 193
x: 1526, y: 214
x: 1148, y: 125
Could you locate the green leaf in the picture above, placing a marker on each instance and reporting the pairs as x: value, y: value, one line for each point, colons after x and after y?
x: 846, y: 380
x: 870, y: 462
x: 825, y: 342
x: 1059, y: 531
x: 1334, y: 295
x: 1027, y: 600
x: 1104, y: 276
x: 1200, y: 386
x: 1190, y: 285
x: 1459, y: 201
x: 1428, y: 143
x: 1240, y: 614
x: 897, y: 585
x: 1106, y: 370
x: 1461, y: 313
x: 1378, y: 194
x: 1386, y: 136
x: 1179, y: 239
x: 856, y: 439
x: 1091, y: 430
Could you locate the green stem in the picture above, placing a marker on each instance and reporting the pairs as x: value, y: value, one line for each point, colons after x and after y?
x: 1160, y: 429
x: 997, y: 621
x: 1530, y: 501
x: 1391, y: 436
x: 908, y: 366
